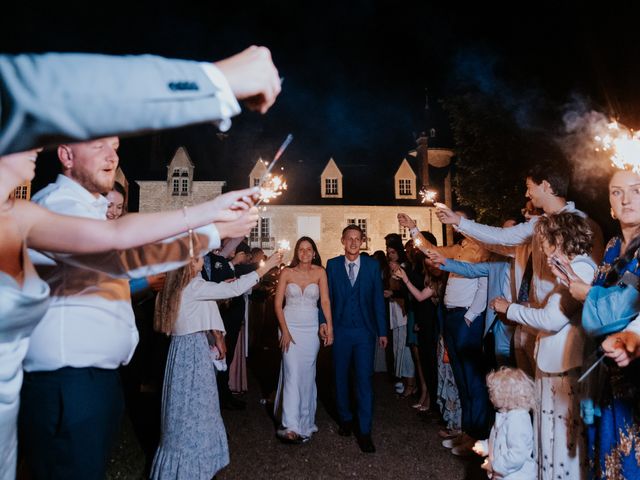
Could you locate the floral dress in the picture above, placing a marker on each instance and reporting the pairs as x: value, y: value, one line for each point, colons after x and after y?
x: 613, y: 433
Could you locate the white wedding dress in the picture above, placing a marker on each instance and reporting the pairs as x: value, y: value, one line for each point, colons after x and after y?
x: 297, y: 393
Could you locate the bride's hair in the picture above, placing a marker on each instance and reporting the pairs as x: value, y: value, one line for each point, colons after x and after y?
x: 316, y: 255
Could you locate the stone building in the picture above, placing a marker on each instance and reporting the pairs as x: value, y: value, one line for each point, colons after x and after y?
x: 180, y: 188
x: 322, y: 199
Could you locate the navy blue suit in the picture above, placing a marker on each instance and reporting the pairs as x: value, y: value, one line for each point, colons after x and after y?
x: 359, y: 318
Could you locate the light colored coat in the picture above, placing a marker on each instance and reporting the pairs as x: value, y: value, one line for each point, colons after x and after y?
x: 510, y: 446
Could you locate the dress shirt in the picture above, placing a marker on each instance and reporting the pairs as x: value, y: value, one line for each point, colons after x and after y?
x: 470, y: 293
x: 198, y: 310
x: 228, y: 104
x: 356, y: 267
x: 90, y: 322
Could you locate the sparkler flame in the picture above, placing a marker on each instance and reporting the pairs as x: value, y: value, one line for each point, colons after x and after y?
x: 428, y: 196
x: 623, y: 144
x: 284, y: 245
x: 272, y: 187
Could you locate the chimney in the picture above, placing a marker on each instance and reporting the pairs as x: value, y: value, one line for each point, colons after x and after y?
x: 422, y: 150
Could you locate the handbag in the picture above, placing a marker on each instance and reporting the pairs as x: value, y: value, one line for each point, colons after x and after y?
x: 610, y: 310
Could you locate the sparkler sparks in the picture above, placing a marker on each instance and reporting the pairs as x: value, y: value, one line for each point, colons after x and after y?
x: 623, y: 144
x: 427, y: 196
x: 284, y: 245
x: 271, y: 188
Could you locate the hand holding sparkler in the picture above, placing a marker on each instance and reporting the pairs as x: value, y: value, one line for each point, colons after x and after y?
x: 622, y: 347
x: 446, y: 215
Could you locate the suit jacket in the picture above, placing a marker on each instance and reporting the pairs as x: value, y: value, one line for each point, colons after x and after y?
x: 56, y: 97
x: 371, y: 293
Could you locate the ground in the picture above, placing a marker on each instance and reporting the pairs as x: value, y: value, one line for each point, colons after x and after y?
x: 407, y: 446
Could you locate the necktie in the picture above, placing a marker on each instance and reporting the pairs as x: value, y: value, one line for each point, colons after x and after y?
x: 352, y: 273
x: 525, y: 285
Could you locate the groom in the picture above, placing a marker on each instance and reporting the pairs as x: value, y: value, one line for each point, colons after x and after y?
x: 358, y: 312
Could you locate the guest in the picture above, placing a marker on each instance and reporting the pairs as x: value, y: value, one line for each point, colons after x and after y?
x: 26, y: 297
x: 89, y: 329
x: 396, y: 294
x: 560, y: 343
x: 193, y: 445
x: 116, y: 198
x: 424, y: 289
x: 465, y: 300
x: 508, y: 451
x: 615, y: 389
x: 302, y: 284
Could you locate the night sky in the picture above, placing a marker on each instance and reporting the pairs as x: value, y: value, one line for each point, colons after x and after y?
x: 356, y: 71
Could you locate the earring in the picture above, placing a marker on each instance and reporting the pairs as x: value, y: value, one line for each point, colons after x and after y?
x: 613, y: 214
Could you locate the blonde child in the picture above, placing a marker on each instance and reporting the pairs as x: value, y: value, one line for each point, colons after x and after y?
x: 509, y: 449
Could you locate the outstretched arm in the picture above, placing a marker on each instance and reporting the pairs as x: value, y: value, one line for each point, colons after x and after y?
x: 57, y: 97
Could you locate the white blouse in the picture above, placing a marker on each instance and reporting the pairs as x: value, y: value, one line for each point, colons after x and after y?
x: 198, y: 310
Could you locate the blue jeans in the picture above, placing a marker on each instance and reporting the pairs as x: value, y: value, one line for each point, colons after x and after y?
x: 464, y: 344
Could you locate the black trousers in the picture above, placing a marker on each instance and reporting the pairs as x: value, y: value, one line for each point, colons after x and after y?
x: 68, y: 421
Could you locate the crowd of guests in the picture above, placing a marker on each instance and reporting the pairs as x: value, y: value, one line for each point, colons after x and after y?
x: 522, y: 339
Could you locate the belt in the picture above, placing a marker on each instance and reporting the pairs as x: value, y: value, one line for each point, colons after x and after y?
x: 456, y: 309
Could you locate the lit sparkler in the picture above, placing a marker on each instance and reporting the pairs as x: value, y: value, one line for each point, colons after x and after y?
x: 623, y: 144
x: 428, y: 196
x: 417, y: 242
x: 271, y: 188
x: 284, y: 245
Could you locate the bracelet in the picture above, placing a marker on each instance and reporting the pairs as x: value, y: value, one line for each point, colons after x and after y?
x: 190, y: 231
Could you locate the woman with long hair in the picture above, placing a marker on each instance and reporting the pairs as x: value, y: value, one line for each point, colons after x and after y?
x: 193, y: 444
x: 302, y: 284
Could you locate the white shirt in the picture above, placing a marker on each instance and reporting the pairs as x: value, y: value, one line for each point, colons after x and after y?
x: 228, y: 104
x: 90, y: 322
x: 198, y: 310
x: 356, y: 267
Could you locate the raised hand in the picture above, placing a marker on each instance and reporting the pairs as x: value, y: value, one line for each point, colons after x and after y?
x: 447, y: 216
x: 231, y: 205
x: 406, y: 221
x: 253, y: 77
x: 436, y: 257
x: 240, y: 226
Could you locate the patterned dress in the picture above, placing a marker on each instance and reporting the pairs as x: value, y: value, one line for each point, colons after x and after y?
x: 613, y: 437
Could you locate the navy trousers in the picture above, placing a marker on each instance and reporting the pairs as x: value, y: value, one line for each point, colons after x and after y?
x: 354, y: 346
x: 464, y: 344
x: 68, y: 421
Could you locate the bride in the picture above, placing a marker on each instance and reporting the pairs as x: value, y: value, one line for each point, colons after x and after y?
x: 301, y: 284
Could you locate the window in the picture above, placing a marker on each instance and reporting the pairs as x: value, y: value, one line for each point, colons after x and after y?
x: 331, y: 186
x: 362, y: 223
x: 260, y: 235
x: 185, y: 187
x: 256, y: 182
x: 405, y: 186
x: 22, y: 192
x: 176, y: 172
x: 176, y: 186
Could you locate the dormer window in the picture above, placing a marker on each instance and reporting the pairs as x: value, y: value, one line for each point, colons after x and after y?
x: 405, y: 186
x: 331, y: 186
x: 184, y: 190
x: 176, y: 186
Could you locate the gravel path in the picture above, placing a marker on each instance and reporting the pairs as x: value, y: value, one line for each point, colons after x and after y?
x: 407, y: 446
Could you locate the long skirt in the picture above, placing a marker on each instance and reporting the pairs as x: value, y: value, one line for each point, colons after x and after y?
x: 558, y: 431
x: 193, y: 445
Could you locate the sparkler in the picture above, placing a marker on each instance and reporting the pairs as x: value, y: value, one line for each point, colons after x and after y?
x: 272, y: 186
x: 623, y: 144
x: 284, y: 245
x: 428, y: 196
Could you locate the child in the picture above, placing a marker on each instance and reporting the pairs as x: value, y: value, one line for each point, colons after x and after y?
x: 509, y: 450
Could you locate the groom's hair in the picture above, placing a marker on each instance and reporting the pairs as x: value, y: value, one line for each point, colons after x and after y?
x: 352, y: 226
